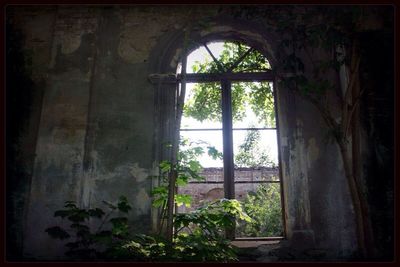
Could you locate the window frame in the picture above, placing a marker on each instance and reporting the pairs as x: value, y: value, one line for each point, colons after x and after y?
x: 226, y: 78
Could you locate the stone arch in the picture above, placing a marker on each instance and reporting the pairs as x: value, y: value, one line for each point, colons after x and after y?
x: 168, y: 52
x: 215, y: 193
x: 164, y: 60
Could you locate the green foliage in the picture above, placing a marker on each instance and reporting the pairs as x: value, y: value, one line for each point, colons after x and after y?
x: 205, y: 103
x: 88, y: 244
x: 264, y: 209
x: 251, y: 154
x: 261, y: 101
x: 213, y: 218
x: 200, y: 233
x: 205, y: 243
x: 230, y: 54
x: 182, y: 199
x: 196, y: 247
x: 160, y: 195
x: 187, y: 167
x: 57, y: 232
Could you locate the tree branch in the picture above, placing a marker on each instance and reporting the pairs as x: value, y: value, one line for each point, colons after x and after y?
x: 353, y: 108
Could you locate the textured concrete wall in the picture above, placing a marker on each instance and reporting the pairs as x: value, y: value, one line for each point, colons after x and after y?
x: 100, y: 116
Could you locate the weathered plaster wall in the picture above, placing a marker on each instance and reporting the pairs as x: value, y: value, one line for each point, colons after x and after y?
x: 96, y: 128
x: 318, y: 209
x: 28, y: 52
x: 100, y: 118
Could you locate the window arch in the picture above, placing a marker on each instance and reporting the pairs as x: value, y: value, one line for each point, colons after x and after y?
x: 229, y: 95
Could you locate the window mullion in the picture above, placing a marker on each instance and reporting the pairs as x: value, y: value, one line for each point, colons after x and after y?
x: 219, y: 65
x: 227, y: 139
x: 227, y: 146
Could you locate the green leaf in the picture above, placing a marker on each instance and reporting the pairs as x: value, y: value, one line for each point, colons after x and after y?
x: 165, y: 166
x: 62, y: 213
x: 182, y: 180
x: 96, y: 212
x: 214, y: 153
x: 182, y: 199
x: 159, y: 190
x: 84, y: 233
x: 123, y: 204
x: 158, y: 202
x: 195, y: 166
x: 79, y: 215
x: 195, y: 175
x: 79, y: 226
x: 103, y: 237
x: 57, y: 232
x: 120, y: 226
x: 119, y: 220
x: 70, y: 204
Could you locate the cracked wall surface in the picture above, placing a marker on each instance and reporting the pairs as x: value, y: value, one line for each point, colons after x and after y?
x: 101, y: 119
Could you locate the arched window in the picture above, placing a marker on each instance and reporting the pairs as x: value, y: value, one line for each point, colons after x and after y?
x: 230, y: 108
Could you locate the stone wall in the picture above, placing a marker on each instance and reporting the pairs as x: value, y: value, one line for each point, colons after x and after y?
x: 98, y: 126
x: 211, y: 188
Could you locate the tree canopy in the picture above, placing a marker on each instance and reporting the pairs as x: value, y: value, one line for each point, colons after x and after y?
x: 205, y: 102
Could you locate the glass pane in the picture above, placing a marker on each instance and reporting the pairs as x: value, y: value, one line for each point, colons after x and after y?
x: 255, y: 148
x: 200, y: 60
x: 253, y: 105
x: 211, y: 144
x: 202, y: 109
x: 254, y: 61
x: 229, y: 55
x: 202, y: 193
x: 211, y: 186
x: 262, y: 202
x: 257, y: 184
x: 254, y: 176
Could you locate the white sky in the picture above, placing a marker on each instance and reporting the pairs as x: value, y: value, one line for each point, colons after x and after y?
x: 214, y: 138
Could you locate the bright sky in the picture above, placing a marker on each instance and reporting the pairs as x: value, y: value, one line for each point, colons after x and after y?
x: 214, y: 138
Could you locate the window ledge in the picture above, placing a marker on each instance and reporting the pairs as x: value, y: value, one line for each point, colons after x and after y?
x: 254, y: 243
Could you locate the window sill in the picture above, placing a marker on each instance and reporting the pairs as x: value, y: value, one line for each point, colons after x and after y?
x: 254, y: 243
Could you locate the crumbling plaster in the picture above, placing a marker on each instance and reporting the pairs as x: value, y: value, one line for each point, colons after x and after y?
x: 96, y: 135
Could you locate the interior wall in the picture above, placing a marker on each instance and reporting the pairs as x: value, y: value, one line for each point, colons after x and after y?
x: 102, y: 123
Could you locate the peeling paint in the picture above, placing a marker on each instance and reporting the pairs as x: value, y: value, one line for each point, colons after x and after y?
x: 70, y: 43
x: 297, y: 184
x: 122, y: 141
x: 139, y: 35
x: 138, y: 173
x: 176, y: 58
x: 131, y: 49
x: 312, y: 152
x: 284, y: 141
x: 142, y: 202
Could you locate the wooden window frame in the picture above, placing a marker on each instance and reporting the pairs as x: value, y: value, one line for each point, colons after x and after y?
x: 225, y: 79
